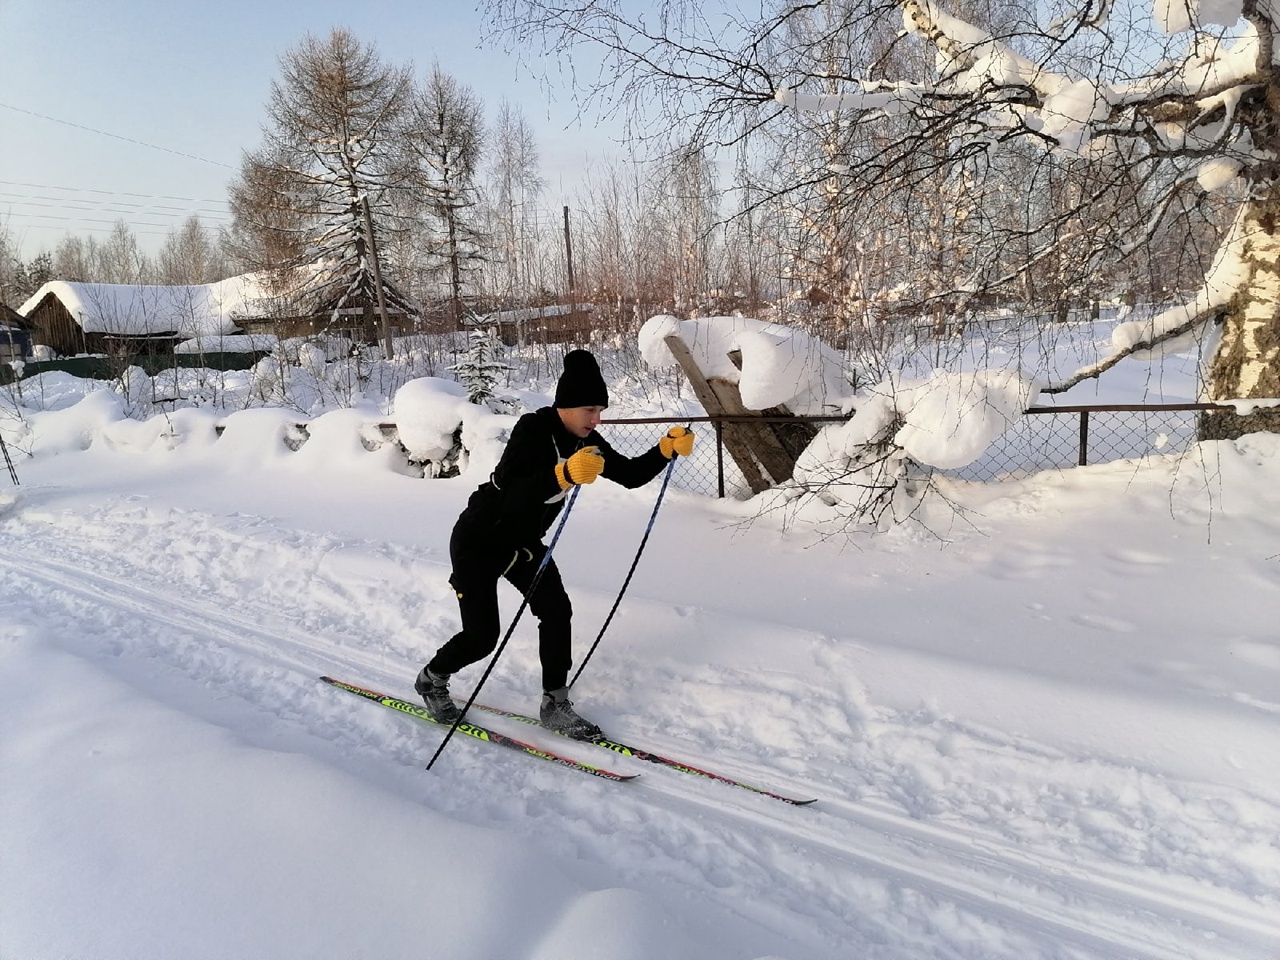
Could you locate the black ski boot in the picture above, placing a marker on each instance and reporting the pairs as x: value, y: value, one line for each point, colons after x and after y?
x: 434, y: 691
x: 557, y: 714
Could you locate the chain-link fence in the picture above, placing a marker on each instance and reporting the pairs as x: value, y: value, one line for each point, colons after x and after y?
x: 698, y: 473
x: 1048, y: 438
x: 1045, y: 438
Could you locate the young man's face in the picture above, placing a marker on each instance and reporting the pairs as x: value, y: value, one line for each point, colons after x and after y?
x: 580, y: 421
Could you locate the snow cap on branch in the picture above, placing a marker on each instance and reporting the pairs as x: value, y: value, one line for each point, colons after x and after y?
x: 1068, y: 109
x: 1175, y: 16
x: 945, y: 421
x: 1225, y: 277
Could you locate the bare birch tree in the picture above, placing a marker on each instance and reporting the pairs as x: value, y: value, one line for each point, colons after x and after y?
x: 12, y: 283
x: 121, y: 260
x: 446, y: 138
x: 514, y: 188
x: 689, y: 200
x: 75, y: 259
x: 190, y: 255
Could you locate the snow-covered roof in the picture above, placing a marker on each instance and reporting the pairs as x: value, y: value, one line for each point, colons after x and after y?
x: 208, y: 309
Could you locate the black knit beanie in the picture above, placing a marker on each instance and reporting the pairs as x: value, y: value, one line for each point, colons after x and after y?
x: 581, y: 384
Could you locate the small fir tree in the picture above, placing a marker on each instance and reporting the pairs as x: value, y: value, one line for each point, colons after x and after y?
x: 481, y: 369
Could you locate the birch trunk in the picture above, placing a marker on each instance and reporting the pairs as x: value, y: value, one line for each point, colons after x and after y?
x: 1246, y: 364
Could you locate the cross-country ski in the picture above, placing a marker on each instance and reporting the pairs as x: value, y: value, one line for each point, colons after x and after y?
x: 477, y: 732
x: 628, y: 750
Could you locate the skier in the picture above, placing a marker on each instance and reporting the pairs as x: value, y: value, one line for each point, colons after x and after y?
x: 499, y: 535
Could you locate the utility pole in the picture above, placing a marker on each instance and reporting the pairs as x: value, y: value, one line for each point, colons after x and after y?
x: 387, y: 349
x: 568, y: 256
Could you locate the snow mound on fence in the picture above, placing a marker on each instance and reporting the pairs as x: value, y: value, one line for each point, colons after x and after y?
x: 780, y: 364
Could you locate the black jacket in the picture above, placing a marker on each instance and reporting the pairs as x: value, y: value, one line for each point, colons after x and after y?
x: 522, y: 497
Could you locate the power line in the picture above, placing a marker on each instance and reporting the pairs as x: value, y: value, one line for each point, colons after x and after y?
x: 77, y: 225
x: 46, y: 216
x: 152, y: 209
x: 133, y: 228
x: 18, y: 206
x: 116, y: 136
x: 111, y: 193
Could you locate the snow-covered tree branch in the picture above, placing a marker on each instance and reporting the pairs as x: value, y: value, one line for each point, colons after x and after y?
x: 1075, y: 147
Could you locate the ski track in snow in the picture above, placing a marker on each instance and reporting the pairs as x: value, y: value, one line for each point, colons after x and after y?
x: 194, y: 621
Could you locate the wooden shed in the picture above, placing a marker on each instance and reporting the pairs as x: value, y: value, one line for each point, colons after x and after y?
x: 556, y: 323
x: 131, y: 319
x: 307, y: 301
x: 56, y: 324
x: 15, y: 339
x: 360, y: 323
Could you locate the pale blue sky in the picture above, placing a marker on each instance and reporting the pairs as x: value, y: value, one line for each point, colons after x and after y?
x: 193, y: 78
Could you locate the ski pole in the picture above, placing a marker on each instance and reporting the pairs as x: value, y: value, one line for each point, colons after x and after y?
x: 537, y: 578
x: 627, y: 582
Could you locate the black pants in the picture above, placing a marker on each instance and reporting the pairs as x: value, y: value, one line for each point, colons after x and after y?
x: 478, y: 564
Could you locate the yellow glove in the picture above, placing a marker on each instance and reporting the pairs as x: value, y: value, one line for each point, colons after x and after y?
x: 677, y: 441
x: 583, y: 467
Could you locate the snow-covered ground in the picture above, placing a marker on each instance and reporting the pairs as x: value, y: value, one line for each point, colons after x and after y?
x: 1045, y: 727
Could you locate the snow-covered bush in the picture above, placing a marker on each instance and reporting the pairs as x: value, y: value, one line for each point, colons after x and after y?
x: 309, y: 374
x: 136, y: 390
x: 876, y: 465
x: 429, y: 417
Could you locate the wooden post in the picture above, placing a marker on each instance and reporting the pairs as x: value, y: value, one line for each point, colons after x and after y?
x: 720, y: 459
x: 778, y: 445
x: 718, y: 401
x: 770, y: 445
x: 577, y: 321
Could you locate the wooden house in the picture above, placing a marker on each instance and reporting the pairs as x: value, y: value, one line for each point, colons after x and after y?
x: 132, y: 319
x: 360, y: 322
x: 557, y: 323
x: 15, y: 341
x: 129, y: 319
x: 309, y: 302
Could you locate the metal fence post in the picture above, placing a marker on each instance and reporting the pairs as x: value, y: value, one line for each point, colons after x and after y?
x: 1083, y: 458
x: 720, y: 458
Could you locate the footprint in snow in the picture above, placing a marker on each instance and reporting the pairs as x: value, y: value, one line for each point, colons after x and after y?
x: 1097, y: 622
x: 1138, y: 561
